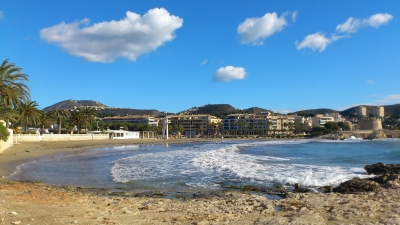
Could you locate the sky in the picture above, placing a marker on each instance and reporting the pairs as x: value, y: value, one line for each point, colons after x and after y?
x: 283, y: 56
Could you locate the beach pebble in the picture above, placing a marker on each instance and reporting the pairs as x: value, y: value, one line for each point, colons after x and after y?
x: 16, y: 222
x: 74, y: 222
x: 14, y: 213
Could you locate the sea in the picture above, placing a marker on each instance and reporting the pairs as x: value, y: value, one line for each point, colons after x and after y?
x: 202, y: 166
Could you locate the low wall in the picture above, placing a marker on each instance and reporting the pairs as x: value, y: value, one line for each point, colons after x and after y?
x: 59, y: 137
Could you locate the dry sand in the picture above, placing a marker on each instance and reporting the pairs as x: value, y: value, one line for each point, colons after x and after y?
x: 37, y: 203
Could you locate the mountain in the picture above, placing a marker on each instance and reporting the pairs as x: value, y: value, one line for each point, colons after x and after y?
x: 257, y: 110
x: 315, y: 111
x: 71, y: 104
x: 102, y: 110
x: 221, y: 110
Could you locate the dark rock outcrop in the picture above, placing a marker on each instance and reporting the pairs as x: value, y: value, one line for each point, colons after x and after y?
x: 357, y: 185
x: 380, y: 168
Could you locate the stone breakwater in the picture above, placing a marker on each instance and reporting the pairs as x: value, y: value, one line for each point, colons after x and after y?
x: 36, y: 203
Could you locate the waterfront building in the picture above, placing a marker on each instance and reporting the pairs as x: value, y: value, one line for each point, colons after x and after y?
x: 203, y: 124
x: 254, y: 123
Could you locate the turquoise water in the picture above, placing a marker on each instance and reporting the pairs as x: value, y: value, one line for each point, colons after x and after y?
x: 210, y: 166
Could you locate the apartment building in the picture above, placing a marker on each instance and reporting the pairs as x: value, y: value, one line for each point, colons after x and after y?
x: 246, y: 123
x: 196, y: 124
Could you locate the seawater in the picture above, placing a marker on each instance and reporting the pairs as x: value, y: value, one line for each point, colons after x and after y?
x: 209, y: 166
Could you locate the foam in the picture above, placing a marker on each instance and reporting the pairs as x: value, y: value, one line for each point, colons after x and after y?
x: 206, y: 166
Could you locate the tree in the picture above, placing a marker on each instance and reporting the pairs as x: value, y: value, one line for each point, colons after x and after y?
x: 343, y: 125
x: 331, y: 126
x: 12, y: 86
x: 77, y: 118
x: 60, y: 114
x: 7, y: 114
x: 318, y: 131
x: 89, y: 115
x: 28, y: 113
x: 44, y: 120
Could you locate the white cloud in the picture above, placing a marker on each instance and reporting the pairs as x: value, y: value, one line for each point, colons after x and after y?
x: 352, y: 24
x: 370, y: 82
x: 229, y: 73
x: 203, y: 62
x: 1, y: 14
x: 253, y: 30
x: 294, y: 16
x: 106, y: 41
x: 388, y: 100
x: 316, y: 41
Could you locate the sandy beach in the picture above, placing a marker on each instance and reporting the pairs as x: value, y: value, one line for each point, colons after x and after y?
x: 37, y: 203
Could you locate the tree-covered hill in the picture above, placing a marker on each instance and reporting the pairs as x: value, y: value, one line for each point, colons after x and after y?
x: 101, y: 109
x: 315, y: 111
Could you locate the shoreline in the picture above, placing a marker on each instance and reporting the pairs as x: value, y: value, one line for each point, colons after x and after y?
x: 31, y: 202
x: 28, y: 151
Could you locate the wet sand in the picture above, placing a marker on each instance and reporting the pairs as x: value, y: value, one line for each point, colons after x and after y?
x: 38, y: 203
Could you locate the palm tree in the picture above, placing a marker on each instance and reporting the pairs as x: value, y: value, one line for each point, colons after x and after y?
x: 84, y: 116
x: 28, y: 113
x: 59, y: 114
x: 12, y: 86
x: 7, y: 114
x: 44, y: 120
x: 77, y: 118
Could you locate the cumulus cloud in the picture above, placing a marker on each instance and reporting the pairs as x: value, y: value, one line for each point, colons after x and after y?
x: 352, y: 24
x: 203, y: 62
x: 390, y: 99
x: 253, y: 30
x: 370, y: 82
x: 317, y: 41
x: 128, y: 38
x: 229, y: 73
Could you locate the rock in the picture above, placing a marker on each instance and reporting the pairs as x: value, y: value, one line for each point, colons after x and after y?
x: 303, y: 190
x: 296, y: 186
x: 327, y: 189
x: 380, y: 168
x: 357, y: 185
x: 377, y: 134
x: 383, y: 179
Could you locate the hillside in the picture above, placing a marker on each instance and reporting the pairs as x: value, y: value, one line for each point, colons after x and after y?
x: 315, y: 111
x: 393, y: 110
x: 70, y: 104
x: 102, y: 110
x: 257, y: 110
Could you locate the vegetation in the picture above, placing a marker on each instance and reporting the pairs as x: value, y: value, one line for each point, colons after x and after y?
x: 4, y: 134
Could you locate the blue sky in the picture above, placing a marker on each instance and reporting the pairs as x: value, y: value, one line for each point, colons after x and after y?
x: 172, y: 55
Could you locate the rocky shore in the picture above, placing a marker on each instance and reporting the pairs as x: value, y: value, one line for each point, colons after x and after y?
x: 375, y: 200
x: 37, y: 203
